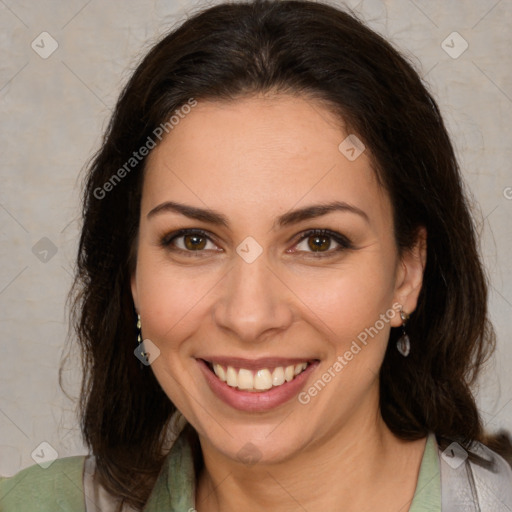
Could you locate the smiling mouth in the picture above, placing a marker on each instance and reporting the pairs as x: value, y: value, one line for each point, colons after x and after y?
x: 257, y: 380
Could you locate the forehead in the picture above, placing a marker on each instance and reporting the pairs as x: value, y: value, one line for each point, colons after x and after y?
x: 276, y: 151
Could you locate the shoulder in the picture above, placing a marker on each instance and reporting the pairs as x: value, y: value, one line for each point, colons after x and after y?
x: 57, y: 488
x: 467, y: 482
x: 494, y: 482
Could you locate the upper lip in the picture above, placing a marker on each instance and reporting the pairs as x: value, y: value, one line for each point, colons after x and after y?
x: 256, y: 364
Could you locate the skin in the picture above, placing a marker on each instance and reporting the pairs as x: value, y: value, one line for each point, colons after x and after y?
x: 253, y: 160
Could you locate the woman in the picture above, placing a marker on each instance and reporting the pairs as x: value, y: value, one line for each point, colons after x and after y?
x: 279, y: 296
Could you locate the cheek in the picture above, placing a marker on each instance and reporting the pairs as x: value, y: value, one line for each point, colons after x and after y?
x: 171, y: 299
x: 349, y: 298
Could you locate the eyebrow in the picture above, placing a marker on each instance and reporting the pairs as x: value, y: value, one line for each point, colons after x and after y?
x: 292, y: 217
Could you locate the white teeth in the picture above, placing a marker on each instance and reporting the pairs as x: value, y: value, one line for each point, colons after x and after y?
x: 260, y: 380
x: 278, y: 376
x: 231, y: 377
x: 245, y: 379
x: 289, y: 373
x: 299, y: 368
x: 219, y: 371
x: 263, y: 379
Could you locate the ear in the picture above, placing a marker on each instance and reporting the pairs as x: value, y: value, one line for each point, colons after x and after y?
x: 409, y: 277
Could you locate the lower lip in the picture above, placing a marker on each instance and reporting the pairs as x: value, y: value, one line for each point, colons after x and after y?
x: 255, y: 401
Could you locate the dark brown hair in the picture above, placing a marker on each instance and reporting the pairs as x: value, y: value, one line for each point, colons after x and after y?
x: 313, y: 49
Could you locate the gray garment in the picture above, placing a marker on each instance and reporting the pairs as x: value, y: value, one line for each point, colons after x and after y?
x: 468, y: 487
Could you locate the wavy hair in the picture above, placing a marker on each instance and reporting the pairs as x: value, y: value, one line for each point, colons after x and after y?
x: 316, y: 50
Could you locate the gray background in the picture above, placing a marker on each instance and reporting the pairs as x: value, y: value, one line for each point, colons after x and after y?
x: 53, y: 112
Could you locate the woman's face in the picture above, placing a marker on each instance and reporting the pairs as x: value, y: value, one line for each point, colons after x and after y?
x: 253, y: 289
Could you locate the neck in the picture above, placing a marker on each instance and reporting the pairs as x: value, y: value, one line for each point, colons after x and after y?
x: 341, y: 468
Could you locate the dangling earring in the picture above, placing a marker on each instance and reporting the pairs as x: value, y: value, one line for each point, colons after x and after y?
x: 139, y: 333
x: 139, y: 351
x: 403, y: 344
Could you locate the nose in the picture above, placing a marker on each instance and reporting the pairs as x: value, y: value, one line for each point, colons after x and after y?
x: 253, y: 302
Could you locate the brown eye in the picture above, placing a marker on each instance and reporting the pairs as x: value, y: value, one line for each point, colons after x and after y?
x: 319, y: 243
x: 194, y: 242
x: 189, y: 241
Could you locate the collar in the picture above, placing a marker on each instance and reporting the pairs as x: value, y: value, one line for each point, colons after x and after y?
x: 175, y: 487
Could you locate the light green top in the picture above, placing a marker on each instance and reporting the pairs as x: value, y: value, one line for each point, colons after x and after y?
x: 427, y: 496
x: 60, y: 487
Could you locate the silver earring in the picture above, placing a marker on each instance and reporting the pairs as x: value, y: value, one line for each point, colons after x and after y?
x: 139, y: 333
x: 140, y: 346
x: 403, y: 344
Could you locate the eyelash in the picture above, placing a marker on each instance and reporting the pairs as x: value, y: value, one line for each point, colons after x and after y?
x: 343, y: 242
